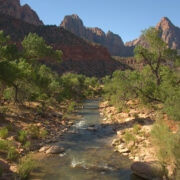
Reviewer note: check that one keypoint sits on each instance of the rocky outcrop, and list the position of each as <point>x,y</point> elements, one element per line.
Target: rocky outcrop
<point>14,9</point>
<point>79,56</point>
<point>111,41</point>
<point>169,33</point>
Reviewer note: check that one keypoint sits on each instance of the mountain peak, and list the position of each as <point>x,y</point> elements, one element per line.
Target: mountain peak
<point>75,16</point>
<point>13,8</point>
<point>164,23</point>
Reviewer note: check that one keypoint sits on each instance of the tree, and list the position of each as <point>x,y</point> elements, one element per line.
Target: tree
<point>34,47</point>
<point>155,53</point>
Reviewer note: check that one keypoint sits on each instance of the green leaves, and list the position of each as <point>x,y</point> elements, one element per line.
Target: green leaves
<point>35,48</point>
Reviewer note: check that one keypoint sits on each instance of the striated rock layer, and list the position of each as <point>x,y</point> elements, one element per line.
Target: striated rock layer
<point>79,55</point>
<point>111,41</point>
<point>169,33</point>
<point>14,9</point>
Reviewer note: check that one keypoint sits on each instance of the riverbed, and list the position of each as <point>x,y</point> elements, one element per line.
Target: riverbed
<point>88,152</point>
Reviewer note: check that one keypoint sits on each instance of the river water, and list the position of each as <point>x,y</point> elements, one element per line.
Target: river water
<point>88,154</point>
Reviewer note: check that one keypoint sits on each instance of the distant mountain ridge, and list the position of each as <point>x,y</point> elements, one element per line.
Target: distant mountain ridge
<point>111,41</point>
<point>13,8</point>
<point>169,33</point>
<point>79,56</point>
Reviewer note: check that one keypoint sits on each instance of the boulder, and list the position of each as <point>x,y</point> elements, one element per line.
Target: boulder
<point>148,170</point>
<point>55,150</point>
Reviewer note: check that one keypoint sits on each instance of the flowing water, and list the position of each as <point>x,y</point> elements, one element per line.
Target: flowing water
<point>88,154</point>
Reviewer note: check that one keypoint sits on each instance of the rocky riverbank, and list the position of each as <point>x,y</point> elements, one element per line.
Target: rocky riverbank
<point>30,127</point>
<point>133,126</point>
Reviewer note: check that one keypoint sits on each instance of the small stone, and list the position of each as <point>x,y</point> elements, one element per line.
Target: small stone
<point>44,148</point>
<point>55,150</point>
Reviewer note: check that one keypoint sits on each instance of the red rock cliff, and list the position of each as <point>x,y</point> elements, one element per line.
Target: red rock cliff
<point>14,9</point>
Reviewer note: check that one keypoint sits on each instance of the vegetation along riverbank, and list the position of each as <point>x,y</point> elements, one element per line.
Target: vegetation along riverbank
<point>144,108</point>
<point>35,102</point>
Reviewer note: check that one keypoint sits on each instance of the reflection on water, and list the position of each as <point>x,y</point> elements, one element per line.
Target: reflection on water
<point>88,153</point>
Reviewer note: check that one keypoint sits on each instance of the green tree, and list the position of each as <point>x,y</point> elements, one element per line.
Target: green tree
<point>155,53</point>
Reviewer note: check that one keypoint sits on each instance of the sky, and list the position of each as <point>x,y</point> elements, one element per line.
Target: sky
<point>126,18</point>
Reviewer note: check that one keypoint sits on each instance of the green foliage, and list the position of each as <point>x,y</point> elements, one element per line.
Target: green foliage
<point>43,133</point>
<point>156,52</point>
<point>12,153</point>
<point>4,133</point>
<point>128,136</point>
<point>168,144</point>
<point>22,136</point>
<point>136,128</point>
<point>33,130</point>
<point>4,146</point>
<point>27,145</point>
<point>71,107</point>
<point>25,166</point>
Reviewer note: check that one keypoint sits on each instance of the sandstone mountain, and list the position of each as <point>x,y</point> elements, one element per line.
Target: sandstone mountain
<point>79,56</point>
<point>111,41</point>
<point>169,33</point>
<point>14,9</point>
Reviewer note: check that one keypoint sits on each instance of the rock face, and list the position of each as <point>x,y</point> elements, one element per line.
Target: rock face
<point>111,41</point>
<point>169,33</point>
<point>79,56</point>
<point>14,9</point>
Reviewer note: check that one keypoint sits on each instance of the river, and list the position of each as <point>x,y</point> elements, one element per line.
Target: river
<point>88,155</point>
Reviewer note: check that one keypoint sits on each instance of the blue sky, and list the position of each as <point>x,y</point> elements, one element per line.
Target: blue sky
<point>124,17</point>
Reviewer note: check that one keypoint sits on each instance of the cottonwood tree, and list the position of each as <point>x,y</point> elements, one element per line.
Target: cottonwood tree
<point>155,52</point>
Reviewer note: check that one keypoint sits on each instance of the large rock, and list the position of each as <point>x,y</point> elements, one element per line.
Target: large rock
<point>148,170</point>
<point>14,9</point>
<point>111,41</point>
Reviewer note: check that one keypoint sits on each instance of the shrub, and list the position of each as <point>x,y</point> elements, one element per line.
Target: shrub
<point>12,153</point>
<point>33,131</point>
<point>25,166</point>
<point>9,126</point>
<point>22,136</point>
<point>4,133</point>
<point>136,128</point>
<point>71,107</point>
<point>43,133</point>
<point>129,137</point>
<point>4,146</point>
<point>168,145</point>
<point>27,145</point>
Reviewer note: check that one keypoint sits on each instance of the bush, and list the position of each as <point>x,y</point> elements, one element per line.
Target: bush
<point>25,167</point>
<point>22,136</point>
<point>27,145</point>
<point>43,133</point>
<point>71,107</point>
<point>12,153</point>
<point>33,131</point>
<point>4,146</point>
<point>168,145</point>
<point>4,133</point>
<point>128,136</point>
<point>136,128</point>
